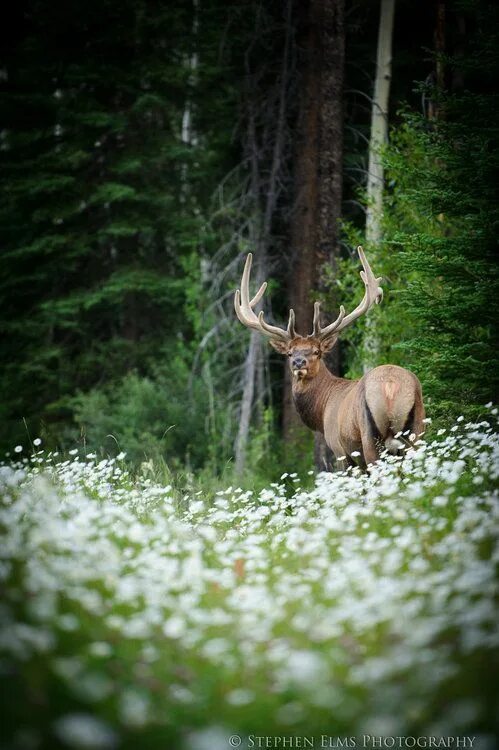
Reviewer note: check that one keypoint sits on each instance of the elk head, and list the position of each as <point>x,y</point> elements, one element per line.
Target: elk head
<point>304,352</point>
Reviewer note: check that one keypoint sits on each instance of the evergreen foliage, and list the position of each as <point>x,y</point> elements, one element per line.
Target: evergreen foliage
<point>440,237</point>
<point>446,218</point>
<point>109,155</point>
<point>135,156</point>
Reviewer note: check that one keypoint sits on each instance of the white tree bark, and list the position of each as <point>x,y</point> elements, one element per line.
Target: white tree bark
<point>379,124</point>
<point>250,365</point>
<point>375,175</point>
<point>188,134</point>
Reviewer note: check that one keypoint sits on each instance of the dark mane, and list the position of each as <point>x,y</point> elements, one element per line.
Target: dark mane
<point>308,408</point>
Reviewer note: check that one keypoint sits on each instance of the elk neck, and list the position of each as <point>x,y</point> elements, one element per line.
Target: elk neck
<point>310,397</point>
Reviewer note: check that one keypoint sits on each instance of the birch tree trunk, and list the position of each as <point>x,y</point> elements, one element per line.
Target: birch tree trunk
<point>379,124</point>
<point>375,175</point>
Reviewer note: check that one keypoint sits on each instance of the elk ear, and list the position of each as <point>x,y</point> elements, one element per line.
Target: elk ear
<point>279,346</point>
<point>328,343</point>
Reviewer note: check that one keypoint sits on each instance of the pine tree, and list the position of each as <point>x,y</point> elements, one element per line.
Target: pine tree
<point>441,233</point>
<point>103,193</point>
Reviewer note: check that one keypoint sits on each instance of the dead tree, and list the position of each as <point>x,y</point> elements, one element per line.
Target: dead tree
<point>265,187</point>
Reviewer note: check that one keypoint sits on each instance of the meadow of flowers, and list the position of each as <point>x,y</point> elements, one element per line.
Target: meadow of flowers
<point>138,616</point>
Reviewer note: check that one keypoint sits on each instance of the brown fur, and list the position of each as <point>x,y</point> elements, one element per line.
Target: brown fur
<point>354,415</point>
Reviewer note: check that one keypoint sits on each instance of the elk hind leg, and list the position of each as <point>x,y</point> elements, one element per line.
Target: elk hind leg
<point>418,425</point>
<point>371,438</point>
<point>369,449</point>
<point>414,425</point>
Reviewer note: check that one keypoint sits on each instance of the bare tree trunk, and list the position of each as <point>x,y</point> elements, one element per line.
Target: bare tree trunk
<point>375,175</point>
<point>433,108</point>
<point>330,170</point>
<point>457,75</point>
<point>379,124</point>
<point>440,47</point>
<point>318,176</point>
<point>188,134</point>
<point>250,364</point>
<point>304,218</point>
<point>251,361</point>
<point>261,391</point>
<point>270,188</point>
<point>303,235</point>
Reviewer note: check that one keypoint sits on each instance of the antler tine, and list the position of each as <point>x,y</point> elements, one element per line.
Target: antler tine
<point>272,331</point>
<point>258,296</point>
<point>373,293</point>
<point>316,324</point>
<point>244,307</point>
<point>322,333</point>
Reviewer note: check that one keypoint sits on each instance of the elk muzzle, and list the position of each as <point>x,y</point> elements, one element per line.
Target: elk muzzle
<point>299,366</point>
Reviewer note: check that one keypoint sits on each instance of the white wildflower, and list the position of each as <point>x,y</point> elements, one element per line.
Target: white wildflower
<point>211,738</point>
<point>134,708</point>
<point>240,697</point>
<point>85,731</point>
<point>440,501</point>
<point>174,627</point>
<point>100,649</point>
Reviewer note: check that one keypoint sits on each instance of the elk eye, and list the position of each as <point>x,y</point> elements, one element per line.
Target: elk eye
<point>316,352</point>
<point>289,354</point>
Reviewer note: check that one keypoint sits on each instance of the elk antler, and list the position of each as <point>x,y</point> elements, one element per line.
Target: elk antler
<point>244,309</point>
<point>373,294</point>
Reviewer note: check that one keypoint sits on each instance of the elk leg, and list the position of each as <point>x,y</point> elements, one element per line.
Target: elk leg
<point>414,424</point>
<point>369,449</point>
<point>418,426</point>
<point>370,437</point>
<point>343,463</point>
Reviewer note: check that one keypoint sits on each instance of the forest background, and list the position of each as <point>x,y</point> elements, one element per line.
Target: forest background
<point>146,147</point>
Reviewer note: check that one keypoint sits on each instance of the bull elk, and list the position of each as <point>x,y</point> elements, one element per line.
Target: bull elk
<point>358,418</point>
